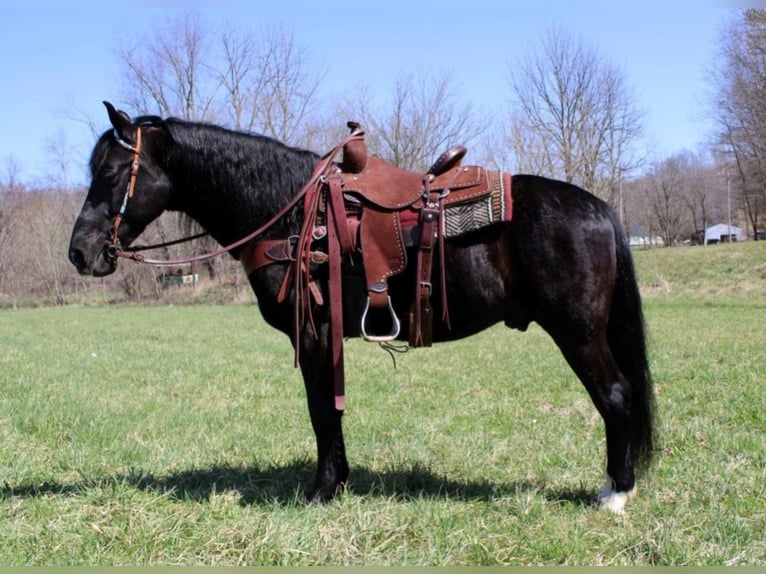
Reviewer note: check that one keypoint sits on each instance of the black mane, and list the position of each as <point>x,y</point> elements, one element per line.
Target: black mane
<point>252,173</point>
<point>217,171</point>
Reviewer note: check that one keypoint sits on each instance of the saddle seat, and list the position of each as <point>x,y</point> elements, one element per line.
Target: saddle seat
<point>392,188</point>
<point>394,208</point>
<point>389,187</point>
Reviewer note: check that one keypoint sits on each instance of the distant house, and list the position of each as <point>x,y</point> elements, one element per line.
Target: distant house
<point>640,237</point>
<point>644,241</point>
<point>718,234</point>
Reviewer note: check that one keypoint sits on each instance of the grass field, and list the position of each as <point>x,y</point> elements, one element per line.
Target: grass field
<point>179,435</point>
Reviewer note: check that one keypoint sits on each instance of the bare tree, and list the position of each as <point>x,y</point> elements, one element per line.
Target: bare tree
<point>74,112</point>
<point>36,262</point>
<point>703,192</point>
<point>270,83</point>
<point>664,195</point>
<point>11,176</point>
<point>11,196</point>
<point>422,118</point>
<point>239,76</point>
<point>60,160</point>
<point>263,82</point>
<point>739,107</point>
<point>575,117</point>
<point>169,73</point>
<point>287,98</point>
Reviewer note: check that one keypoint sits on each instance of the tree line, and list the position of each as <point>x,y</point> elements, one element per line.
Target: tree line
<point>571,116</point>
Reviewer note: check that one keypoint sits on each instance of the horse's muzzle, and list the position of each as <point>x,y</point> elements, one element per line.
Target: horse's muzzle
<point>104,263</point>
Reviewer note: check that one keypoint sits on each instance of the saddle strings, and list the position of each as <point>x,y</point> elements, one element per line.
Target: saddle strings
<point>392,348</point>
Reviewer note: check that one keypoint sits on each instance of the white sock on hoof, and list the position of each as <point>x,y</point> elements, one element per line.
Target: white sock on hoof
<point>612,500</point>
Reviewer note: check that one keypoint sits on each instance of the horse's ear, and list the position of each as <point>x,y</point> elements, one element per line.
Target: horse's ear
<point>120,121</point>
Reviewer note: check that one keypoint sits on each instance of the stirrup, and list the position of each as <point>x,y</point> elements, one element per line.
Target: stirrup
<point>395,327</point>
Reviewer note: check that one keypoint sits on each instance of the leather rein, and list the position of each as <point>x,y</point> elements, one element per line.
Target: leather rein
<point>114,249</point>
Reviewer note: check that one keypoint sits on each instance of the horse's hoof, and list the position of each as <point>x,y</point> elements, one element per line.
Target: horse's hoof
<point>318,497</point>
<point>323,495</point>
<point>613,500</point>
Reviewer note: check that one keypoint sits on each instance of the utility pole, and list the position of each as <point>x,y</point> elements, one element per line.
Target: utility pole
<point>728,201</point>
<point>622,206</point>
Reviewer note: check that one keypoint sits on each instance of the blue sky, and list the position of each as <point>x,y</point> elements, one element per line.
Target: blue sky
<point>57,55</point>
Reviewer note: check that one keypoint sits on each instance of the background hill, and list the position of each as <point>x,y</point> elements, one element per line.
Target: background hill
<point>724,272</point>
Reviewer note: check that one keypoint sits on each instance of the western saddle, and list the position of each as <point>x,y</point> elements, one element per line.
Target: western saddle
<point>366,205</point>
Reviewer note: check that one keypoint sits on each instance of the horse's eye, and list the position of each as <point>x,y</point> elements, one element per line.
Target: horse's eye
<point>111,173</point>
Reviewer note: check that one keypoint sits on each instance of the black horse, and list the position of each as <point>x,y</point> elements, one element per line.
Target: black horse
<point>563,262</point>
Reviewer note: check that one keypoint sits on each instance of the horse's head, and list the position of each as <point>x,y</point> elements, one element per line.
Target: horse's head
<point>128,190</point>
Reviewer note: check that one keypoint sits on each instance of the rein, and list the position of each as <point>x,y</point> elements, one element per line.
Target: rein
<point>113,246</point>
<point>134,248</point>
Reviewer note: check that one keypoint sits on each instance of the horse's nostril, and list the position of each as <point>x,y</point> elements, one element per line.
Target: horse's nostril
<point>77,258</point>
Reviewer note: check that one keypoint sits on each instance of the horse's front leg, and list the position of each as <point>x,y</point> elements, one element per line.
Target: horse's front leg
<point>316,366</point>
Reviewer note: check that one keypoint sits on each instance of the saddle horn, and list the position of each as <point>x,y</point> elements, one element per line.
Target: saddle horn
<point>355,152</point>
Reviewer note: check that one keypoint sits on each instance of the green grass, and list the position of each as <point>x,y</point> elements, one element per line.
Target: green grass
<point>719,273</point>
<point>179,435</point>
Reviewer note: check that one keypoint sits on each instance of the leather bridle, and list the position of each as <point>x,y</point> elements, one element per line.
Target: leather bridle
<point>113,244</point>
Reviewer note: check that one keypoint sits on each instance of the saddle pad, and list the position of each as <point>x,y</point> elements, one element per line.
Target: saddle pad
<point>463,217</point>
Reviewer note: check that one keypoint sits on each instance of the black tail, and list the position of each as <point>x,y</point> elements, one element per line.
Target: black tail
<point>627,343</point>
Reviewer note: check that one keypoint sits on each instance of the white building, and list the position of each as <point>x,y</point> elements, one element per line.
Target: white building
<point>717,233</point>
<point>644,241</point>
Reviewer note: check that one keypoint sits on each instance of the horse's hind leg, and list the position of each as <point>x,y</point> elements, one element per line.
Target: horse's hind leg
<point>611,394</point>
